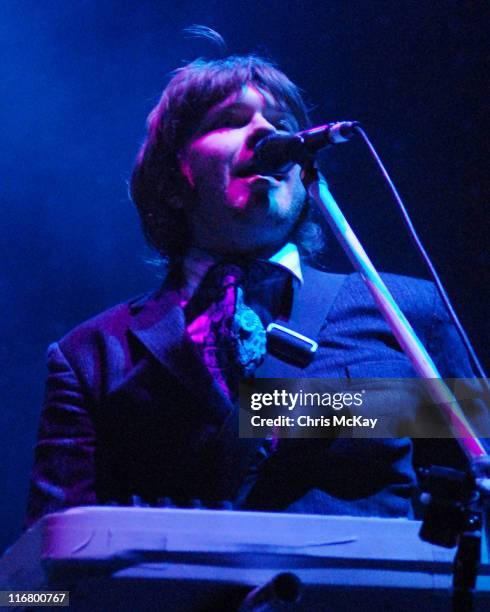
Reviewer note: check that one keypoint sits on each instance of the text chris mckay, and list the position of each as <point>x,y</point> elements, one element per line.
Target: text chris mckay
<point>308,421</point>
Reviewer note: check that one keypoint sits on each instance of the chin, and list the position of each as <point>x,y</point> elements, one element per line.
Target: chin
<point>263,241</point>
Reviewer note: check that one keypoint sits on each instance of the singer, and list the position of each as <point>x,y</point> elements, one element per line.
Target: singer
<point>142,399</point>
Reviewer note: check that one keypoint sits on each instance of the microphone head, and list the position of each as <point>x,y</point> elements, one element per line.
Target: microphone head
<point>278,153</point>
<point>319,137</point>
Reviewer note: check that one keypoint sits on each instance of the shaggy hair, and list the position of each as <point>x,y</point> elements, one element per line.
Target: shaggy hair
<point>157,182</point>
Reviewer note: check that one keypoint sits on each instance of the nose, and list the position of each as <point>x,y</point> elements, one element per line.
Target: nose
<point>260,127</point>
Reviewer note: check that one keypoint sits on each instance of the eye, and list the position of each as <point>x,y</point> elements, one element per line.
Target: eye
<point>230,119</point>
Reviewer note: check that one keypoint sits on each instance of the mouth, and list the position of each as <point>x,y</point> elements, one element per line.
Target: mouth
<point>249,170</point>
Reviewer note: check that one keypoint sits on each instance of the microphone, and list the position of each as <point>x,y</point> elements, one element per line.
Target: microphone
<point>278,153</point>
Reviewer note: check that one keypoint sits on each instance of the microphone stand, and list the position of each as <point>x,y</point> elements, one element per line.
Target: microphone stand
<point>455,510</point>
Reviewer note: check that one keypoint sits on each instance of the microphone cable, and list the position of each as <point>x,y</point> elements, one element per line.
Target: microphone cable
<point>425,257</point>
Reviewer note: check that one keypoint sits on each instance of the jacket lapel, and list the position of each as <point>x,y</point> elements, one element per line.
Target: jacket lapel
<point>311,306</point>
<point>159,325</point>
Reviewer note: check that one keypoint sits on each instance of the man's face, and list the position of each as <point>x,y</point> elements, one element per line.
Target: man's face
<point>231,208</point>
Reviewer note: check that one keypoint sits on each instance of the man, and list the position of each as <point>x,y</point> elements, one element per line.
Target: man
<point>142,400</point>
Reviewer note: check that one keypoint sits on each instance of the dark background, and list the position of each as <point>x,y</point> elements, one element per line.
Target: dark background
<point>78,79</point>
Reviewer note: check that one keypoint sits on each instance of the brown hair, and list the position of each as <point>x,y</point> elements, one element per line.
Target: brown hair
<point>156,179</point>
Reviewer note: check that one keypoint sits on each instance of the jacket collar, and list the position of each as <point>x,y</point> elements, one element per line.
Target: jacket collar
<point>311,306</point>
<point>197,263</point>
<point>158,323</point>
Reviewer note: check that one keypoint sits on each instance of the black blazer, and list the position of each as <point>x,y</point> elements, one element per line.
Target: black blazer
<point>131,409</point>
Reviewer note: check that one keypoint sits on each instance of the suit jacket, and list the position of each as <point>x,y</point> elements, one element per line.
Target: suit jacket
<point>131,409</point>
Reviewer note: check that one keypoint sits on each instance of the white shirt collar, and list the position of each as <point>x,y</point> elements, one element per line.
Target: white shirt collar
<point>288,258</point>
<point>197,262</point>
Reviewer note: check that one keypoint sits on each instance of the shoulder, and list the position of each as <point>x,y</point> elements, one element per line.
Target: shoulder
<point>416,294</point>
<point>354,321</point>
<point>103,349</point>
<point>112,324</point>
<point>353,306</point>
